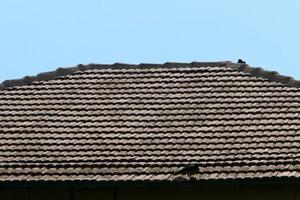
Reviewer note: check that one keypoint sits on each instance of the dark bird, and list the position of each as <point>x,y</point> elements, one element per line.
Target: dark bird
<point>240,61</point>
<point>190,169</point>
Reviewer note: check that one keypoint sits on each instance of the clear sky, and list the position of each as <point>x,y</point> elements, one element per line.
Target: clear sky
<point>38,36</point>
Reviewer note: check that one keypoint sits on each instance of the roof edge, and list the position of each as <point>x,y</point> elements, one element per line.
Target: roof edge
<point>145,184</point>
<point>273,76</point>
<point>62,71</point>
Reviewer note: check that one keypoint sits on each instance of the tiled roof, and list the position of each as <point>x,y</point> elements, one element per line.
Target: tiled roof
<point>148,122</point>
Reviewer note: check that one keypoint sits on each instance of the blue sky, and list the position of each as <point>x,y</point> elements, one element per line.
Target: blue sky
<point>38,36</point>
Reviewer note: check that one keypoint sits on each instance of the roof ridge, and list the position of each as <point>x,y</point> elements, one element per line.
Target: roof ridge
<point>62,71</point>
<point>273,76</point>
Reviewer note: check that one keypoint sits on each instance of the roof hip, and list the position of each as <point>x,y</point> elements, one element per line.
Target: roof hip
<point>62,71</point>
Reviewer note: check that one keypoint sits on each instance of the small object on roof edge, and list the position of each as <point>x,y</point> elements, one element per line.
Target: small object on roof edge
<point>190,169</point>
<point>240,61</point>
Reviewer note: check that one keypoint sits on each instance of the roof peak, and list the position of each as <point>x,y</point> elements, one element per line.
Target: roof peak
<point>62,71</point>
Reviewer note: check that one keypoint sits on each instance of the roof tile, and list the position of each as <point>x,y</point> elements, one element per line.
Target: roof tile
<point>147,122</point>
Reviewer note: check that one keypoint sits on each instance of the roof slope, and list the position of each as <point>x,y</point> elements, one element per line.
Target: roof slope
<point>150,123</point>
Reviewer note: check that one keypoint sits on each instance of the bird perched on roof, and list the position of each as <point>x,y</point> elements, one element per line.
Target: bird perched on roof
<point>190,169</point>
<point>240,61</point>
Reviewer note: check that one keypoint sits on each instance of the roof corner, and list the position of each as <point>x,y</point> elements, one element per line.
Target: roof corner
<point>273,76</point>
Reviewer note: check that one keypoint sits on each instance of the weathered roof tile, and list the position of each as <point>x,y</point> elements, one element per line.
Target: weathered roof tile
<point>146,122</point>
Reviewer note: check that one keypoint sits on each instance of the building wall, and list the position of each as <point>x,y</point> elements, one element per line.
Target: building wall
<point>229,192</point>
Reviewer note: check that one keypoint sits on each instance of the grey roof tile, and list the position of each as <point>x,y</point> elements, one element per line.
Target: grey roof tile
<point>146,122</point>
